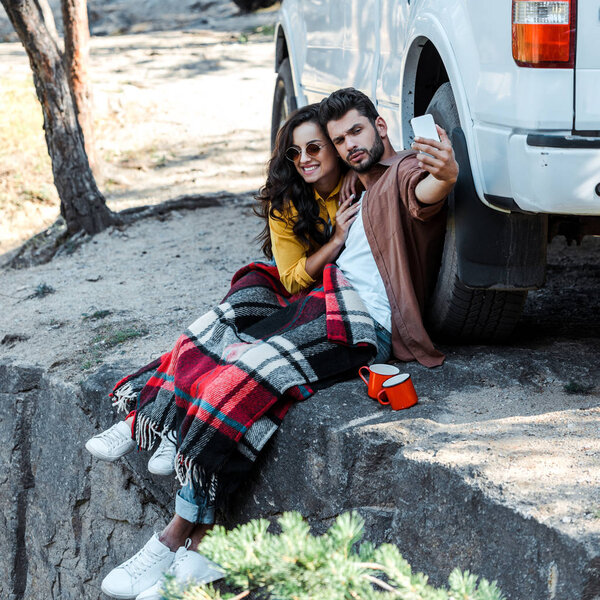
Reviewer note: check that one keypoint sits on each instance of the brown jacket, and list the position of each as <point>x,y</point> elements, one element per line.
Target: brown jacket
<point>406,238</point>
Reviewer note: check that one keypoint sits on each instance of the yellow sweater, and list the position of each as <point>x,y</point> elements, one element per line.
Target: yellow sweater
<point>289,252</point>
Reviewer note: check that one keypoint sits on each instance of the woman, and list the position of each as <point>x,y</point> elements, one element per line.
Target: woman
<point>300,203</point>
<point>305,230</point>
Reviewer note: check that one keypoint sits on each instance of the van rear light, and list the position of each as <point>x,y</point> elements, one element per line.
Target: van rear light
<point>543,33</point>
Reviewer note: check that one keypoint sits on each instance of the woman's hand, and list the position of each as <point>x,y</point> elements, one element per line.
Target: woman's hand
<point>344,217</point>
<point>348,186</point>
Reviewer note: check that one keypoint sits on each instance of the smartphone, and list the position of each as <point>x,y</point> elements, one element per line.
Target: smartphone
<point>424,127</point>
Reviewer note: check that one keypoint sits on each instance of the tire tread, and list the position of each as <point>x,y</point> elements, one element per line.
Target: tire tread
<point>481,315</point>
<point>455,311</point>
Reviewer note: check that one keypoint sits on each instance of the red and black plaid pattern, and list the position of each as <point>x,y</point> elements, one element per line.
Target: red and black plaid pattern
<point>250,357</point>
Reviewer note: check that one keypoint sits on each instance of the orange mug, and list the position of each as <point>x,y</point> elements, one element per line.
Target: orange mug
<point>378,373</point>
<point>398,391</point>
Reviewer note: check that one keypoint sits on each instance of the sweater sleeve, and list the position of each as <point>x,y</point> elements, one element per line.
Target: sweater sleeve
<point>290,255</point>
<point>409,176</point>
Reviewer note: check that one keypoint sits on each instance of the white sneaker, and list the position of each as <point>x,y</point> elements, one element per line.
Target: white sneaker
<point>162,461</point>
<point>113,443</point>
<point>188,567</point>
<point>140,572</point>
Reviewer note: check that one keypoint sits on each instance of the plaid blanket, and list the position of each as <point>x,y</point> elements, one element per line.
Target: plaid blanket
<point>230,379</point>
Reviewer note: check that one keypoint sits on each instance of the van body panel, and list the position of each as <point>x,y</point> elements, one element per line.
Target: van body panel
<point>374,45</point>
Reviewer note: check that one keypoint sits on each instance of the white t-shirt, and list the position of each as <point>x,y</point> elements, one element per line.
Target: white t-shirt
<point>358,265</point>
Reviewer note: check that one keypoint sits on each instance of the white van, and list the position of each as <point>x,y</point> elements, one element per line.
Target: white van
<point>517,84</point>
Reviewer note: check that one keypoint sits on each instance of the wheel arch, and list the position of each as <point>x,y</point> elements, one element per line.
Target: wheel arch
<point>281,46</point>
<point>430,75</point>
<point>430,62</point>
<point>289,36</point>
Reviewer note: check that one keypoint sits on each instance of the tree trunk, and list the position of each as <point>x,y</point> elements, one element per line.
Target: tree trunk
<point>82,204</point>
<point>77,53</point>
<point>49,20</point>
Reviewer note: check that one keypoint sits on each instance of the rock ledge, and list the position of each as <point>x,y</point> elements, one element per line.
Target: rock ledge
<point>417,477</point>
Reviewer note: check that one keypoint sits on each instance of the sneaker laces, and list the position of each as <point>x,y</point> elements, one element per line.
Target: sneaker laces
<point>164,449</point>
<point>112,437</point>
<point>179,557</point>
<point>139,563</point>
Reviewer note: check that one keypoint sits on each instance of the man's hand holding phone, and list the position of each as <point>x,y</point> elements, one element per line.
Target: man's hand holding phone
<point>435,153</point>
<point>436,156</point>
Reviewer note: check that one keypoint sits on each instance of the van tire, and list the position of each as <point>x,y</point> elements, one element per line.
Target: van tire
<point>251,5</point>
<point>455,311</point>
<point>284,99</point>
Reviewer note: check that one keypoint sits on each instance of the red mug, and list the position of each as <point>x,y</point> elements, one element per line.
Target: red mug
<point>398,391</point>
<point>378,373</point>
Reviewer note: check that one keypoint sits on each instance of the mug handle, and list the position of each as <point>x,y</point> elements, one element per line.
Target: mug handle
<point>362,376</point>
<point>382,394</point>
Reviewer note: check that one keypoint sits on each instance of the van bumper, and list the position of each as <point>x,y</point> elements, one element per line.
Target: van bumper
<point>540,173</point>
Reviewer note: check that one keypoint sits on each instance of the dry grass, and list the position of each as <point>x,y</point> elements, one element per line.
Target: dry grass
<point>26,173</point>
<point>167,123</point>
<point>28,198</point>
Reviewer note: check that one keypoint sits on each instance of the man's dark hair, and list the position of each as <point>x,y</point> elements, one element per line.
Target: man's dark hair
<point>338,103</point>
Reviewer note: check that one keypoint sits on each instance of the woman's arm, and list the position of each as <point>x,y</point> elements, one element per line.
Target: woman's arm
<point>297,270</point>
<point>290,256</point>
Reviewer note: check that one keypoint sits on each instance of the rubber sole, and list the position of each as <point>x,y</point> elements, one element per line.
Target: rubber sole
<point>106,457</point>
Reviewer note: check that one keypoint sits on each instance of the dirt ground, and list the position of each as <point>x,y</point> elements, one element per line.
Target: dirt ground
<point>176,112</point>
<point>189,111</point>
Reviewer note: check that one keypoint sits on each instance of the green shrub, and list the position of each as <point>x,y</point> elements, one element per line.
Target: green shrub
<point>296,565</point>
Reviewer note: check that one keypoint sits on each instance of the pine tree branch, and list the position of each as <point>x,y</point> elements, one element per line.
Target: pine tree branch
<point>294,564</point>
<point>382,584</point>
<point>371,565</point>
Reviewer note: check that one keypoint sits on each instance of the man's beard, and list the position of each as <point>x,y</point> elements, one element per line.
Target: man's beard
<point>374,155</point>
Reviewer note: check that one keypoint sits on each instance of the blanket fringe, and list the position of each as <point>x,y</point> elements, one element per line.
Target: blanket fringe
<point>189,473</point>
<point>145,432</point>
<point>123,397</point>
<point>184,469</point>
<point>169,434</point>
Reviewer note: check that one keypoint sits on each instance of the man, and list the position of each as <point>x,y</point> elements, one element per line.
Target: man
<point>392,250</point>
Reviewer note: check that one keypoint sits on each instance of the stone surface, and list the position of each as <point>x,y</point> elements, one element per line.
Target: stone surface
<point>67,518</point>
<point>441,480</point>
<point>346,453</point>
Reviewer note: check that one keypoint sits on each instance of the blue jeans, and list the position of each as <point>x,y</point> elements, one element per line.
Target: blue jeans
<point>384,344</point>
<point>193,505</point>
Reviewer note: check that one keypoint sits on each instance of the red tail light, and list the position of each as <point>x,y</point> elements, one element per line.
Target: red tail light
<point>543,33</point>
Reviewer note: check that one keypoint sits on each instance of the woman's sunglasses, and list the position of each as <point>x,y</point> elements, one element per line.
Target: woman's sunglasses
<point>293,153</point>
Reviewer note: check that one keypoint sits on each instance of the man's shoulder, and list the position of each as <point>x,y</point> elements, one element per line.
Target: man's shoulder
<point>397,158</point>
<point>389,167</point>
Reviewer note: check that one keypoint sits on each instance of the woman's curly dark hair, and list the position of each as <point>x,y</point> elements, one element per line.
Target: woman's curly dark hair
<point>284,184</point>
